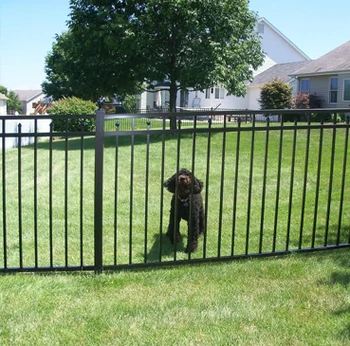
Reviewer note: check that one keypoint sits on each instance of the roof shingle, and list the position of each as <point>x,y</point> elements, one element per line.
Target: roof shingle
<point>280,71</point>
<point>336,60</point>
<point>27,95</point>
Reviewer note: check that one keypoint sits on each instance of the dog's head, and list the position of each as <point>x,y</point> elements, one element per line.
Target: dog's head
<point>183,180</point>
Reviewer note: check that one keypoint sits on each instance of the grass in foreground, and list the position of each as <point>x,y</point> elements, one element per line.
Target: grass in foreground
<point>295,300</point>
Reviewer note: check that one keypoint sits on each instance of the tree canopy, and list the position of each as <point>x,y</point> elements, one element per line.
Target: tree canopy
<point>13,103</point>
<point>116,46</point>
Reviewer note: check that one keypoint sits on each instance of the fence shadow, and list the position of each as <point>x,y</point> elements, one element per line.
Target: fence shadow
<point>320,234</point>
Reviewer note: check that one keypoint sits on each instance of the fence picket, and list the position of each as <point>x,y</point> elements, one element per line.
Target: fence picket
<point>224,148</point>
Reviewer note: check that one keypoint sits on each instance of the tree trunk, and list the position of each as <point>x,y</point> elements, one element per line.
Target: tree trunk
<point>173,94</point>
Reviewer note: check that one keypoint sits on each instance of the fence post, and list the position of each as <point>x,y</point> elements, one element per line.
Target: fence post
<point>98,208</point>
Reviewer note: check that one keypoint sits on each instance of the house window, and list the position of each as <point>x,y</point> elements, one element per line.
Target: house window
<point>261,28</point>
<point>304,85</point>
<point>184,98</point>
<point>347,90</point>
<point>333,90</point>
<point>219,93</point>
<point>207,93</point>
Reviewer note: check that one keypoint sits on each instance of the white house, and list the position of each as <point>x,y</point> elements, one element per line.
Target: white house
<point>278,50</point>
<point>3,103</point>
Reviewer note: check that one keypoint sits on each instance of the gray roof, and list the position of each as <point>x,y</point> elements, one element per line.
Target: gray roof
<point>27,95</point>
<point>280,71</point>
<point>336,60</point>
<point>3,97</point>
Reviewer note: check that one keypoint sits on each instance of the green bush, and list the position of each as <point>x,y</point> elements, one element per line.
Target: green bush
<point>73,106</point>
<point>301,100</point>
<point>323,117</point>
<point>290,117</point>
<point>276,94</point>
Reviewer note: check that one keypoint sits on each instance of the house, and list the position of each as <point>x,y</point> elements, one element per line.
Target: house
<point>278,50</point>
<point>280,71</point>
<point>3,104</point>
<point>32,101</point>
<point>327,77</point>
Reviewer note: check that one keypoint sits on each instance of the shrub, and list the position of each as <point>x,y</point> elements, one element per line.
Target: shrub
<point>344,116</point>
<point>73,106</point>
<point>301,100</point>
<point>325,117</point>
<point>130,102</point>
<point>315,101</point>
<point>276,94</point>
<point>291,117</point>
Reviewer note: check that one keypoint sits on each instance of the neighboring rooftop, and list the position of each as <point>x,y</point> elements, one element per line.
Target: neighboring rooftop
<point>280,71</point>
<point>336,60</point>
<point>27,95</point>
<point>3,97</point>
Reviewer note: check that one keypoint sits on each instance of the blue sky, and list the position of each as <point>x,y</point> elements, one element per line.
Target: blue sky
<point>28,28</point>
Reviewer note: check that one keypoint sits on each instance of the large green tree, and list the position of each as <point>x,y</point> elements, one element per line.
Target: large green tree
<point>114,46</point>
<point>14,104</point>
<point>3,90</point>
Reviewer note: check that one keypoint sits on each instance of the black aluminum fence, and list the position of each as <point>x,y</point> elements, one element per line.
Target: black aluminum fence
<point>95,200</point>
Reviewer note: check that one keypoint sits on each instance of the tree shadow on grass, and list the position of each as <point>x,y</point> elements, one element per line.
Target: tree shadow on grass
<point>345,334</point>
<point>340,277</point>
<point>88,143</point>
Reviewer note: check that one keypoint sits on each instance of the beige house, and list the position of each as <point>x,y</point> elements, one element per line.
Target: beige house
<point>279,71</point>
<point>327,77</point>
<point>3,103</point>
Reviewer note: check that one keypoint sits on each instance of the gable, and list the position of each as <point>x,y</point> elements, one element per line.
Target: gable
<point>277,46</point>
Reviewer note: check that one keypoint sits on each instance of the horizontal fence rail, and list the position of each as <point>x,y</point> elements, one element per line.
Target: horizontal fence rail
<point>86,193</point>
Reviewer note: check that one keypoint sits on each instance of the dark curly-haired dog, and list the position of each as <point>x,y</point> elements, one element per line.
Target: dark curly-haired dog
<point>187,198</point>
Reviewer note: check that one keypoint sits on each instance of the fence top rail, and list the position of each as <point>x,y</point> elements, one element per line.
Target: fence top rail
<point>242,113</point>
<point>238,113</point>
<point>50,117</point>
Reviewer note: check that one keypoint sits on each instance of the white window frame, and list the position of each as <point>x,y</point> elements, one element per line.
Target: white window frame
<point>344,82</point>
<point>300,82</point>
<point>219,93</point>
<point>333,90</point>
<point>207,93</point>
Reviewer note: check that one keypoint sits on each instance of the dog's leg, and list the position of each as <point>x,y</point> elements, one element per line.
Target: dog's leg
<point>193,234</point>
<point>173,232</point>
<point>173,229</point>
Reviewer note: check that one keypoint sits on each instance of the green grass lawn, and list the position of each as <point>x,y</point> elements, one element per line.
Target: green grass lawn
<point>145,219</point>
<point>302,299</point>
<point>294,300</point>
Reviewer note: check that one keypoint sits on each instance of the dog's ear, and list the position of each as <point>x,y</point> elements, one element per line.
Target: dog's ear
<point>197,185</point>
<point>170,184</point>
